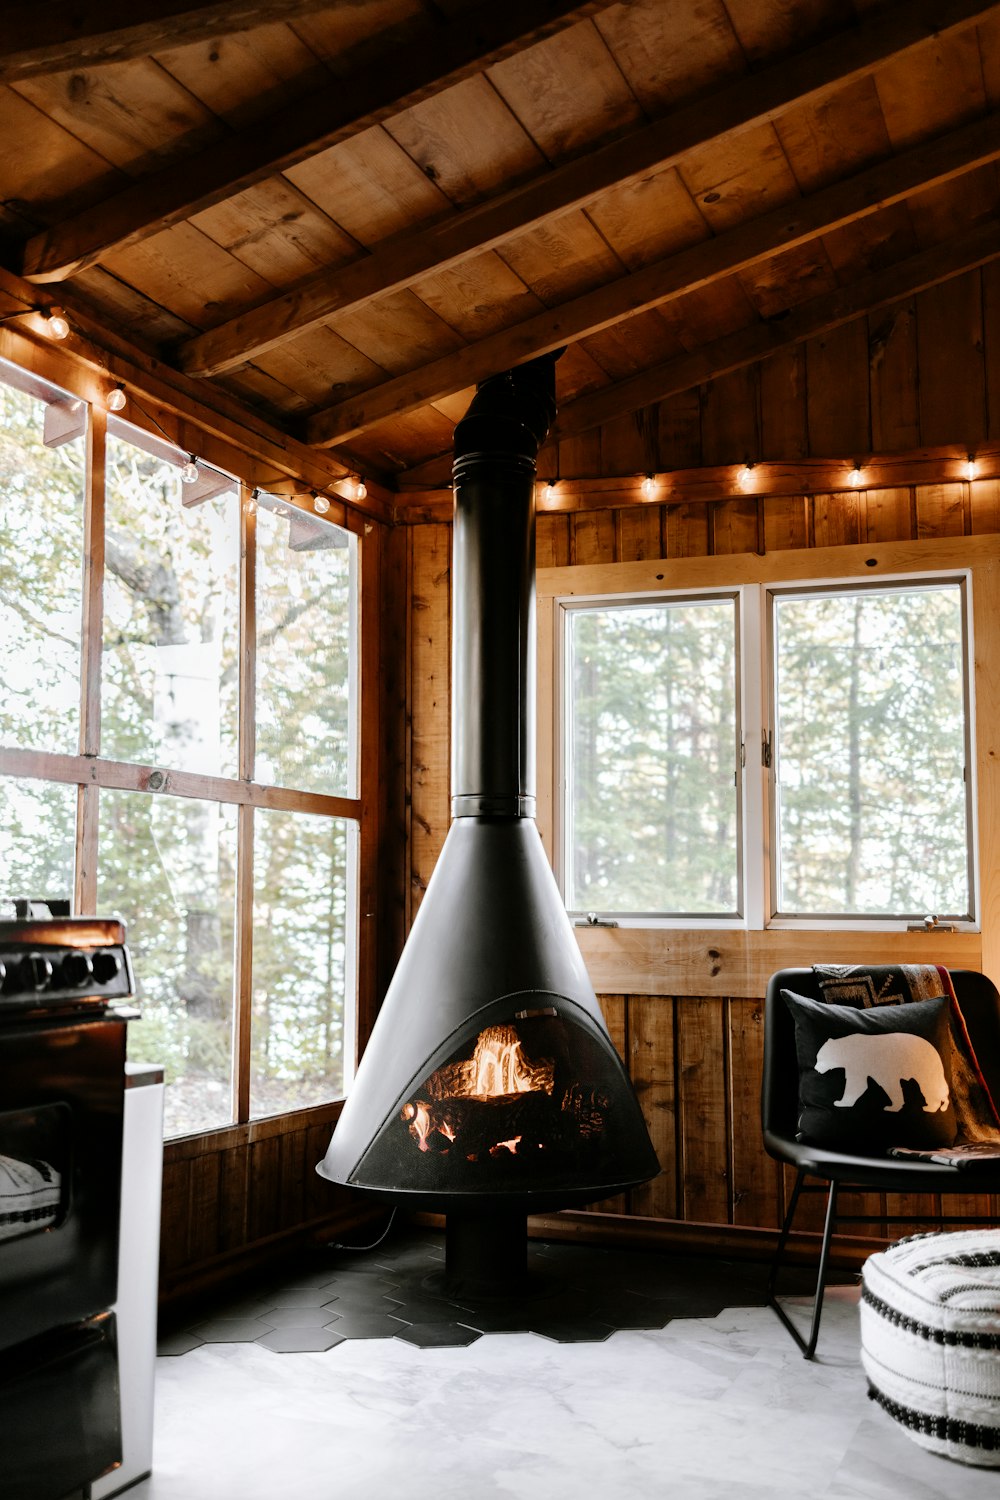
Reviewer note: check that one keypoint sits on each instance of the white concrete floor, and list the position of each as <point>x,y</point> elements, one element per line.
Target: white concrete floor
<point>701,1409</point>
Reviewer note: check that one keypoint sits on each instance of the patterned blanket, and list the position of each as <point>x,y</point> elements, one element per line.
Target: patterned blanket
<point>896,984</point>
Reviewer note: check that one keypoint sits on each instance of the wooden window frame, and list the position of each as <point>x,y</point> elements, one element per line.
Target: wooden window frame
<point>634,956</point>
<point>35,369</point>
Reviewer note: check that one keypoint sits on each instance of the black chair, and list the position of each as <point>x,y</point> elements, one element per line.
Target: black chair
<point>980,1004</point>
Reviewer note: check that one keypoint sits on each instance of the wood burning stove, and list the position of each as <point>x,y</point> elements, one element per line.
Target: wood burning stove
<point>62,1087</point>
<point>490,1086</point>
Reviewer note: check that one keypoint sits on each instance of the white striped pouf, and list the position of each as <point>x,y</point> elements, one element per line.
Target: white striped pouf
<point>930,1340</point>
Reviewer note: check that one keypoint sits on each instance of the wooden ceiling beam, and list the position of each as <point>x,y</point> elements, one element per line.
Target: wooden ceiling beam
<point>415,69</point>
<point>739,106</point>
<point>708,261</point>
<point>64,34</point>
<point>906,278</point>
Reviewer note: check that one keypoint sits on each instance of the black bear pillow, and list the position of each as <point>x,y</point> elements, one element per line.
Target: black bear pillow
<point>875,1078</point>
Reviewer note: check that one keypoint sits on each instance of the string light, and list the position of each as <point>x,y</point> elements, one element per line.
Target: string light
<point>190,473</point>
<point>744,477</point>
<point>251,505</point>
<point>549,490</point>
<point>57,322</point>
<point>855,476</point>
<point>320,504</point>
<point>117,398</point>
<point>648,487</point>
<point>971,468</point>
<point>360,489</point>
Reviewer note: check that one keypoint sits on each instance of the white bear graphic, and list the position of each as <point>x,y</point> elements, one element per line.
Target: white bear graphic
<point>886,1059</point>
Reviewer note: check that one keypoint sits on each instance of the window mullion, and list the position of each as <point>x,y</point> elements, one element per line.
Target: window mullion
<point>755,822</point>
<point>244,832</point>
<point>85,884</point>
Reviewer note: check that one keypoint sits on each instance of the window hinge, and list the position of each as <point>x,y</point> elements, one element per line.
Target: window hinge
<point>765,749</point>
<point>743,752</point>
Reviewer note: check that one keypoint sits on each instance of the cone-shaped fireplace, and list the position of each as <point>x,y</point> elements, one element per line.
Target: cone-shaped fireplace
<point>490,1086</point>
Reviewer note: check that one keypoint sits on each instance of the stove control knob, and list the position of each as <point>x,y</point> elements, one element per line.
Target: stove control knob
<point>106,966</point>
<point>76,970</point>
<point>34,972</point>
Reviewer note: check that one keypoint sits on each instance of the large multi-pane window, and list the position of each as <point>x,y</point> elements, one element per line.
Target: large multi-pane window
<point>179,747</point>
<point>770,754</point>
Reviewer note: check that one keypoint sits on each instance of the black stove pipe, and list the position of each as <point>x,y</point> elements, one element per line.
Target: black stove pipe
<point>493,642</point>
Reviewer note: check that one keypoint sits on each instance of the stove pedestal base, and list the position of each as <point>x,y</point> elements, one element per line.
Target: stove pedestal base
<point>486,1254</point>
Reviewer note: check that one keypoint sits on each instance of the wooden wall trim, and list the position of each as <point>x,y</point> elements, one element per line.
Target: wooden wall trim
<point>705,961</point>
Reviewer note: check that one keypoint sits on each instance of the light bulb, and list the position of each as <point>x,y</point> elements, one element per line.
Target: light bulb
<point>648,487</point>
<point>745,476</point>
<point>251,505</point>
<point>549,490</point>
<point>117,398</point>
<point>320,504</point>
<point>58,326</point>
<point>360,489</point>
<point>971,468</point>
<point>189,473</point>
<point>856,476</point>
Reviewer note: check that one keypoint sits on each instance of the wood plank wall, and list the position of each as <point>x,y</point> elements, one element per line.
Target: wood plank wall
<point>921,373</point>
<point>695,1059</point>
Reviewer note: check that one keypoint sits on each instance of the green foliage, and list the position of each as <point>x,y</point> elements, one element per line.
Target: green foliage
<point>170,681</point>
<point>654,753</point>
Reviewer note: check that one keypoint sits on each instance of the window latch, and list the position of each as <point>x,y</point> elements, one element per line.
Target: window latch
<point>593,920</point>
<point>765,749</point>
<point>931,924</point>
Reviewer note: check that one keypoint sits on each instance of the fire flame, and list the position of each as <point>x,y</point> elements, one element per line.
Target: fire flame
<point>497,1069</point>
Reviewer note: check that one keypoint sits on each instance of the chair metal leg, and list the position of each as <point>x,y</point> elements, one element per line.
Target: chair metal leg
<point>808,1347</point>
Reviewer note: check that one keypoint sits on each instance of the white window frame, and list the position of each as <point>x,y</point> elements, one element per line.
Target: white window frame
<point>607,586</point>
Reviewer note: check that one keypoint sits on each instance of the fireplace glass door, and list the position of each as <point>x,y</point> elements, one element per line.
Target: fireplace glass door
<point>534,1102</point>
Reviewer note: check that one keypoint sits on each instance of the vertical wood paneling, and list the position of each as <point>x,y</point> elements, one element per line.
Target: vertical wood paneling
<point>984,506</point>
<point>233,1198</point>
<point>889,515</point>
<point>838,520</point>
<point>430,644</point>
<point>686,530</point>
<point>679,420</point>
<point>756,1178</point>
<point>730,425</point>
<point>264,1178</point>
<point>951,388</point>
<point>703,1110</point>
<point>629,444</point>
<point>990,281</point>
<point>175,1216</point>
<point>940,510</point>
<point>651,1062</point>
<point>615,1011</point>
<point>892,349</point>
<point>786,523</point>
<point>784,430</point>
<point>552,541</point>
<point>204,1206</point>
<point>837,399</point>
<point>393,738</point>
<point>592,536</point>
<point>733,526</point>
<point>638,532</point>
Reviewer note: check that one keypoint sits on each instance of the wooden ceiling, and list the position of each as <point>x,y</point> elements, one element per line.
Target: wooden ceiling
<point>347,213</point>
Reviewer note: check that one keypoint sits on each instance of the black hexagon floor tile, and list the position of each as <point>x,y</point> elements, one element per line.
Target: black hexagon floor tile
<point>439,1335</point>
<point>339,1306</point>
<point>297,1297</point>
<point>230,1330</point>
<point>299,1340</point>
<point>177,1343</point>
<point>360,1325</point>
<point>573,1330</point>
<point>297,1317</point>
